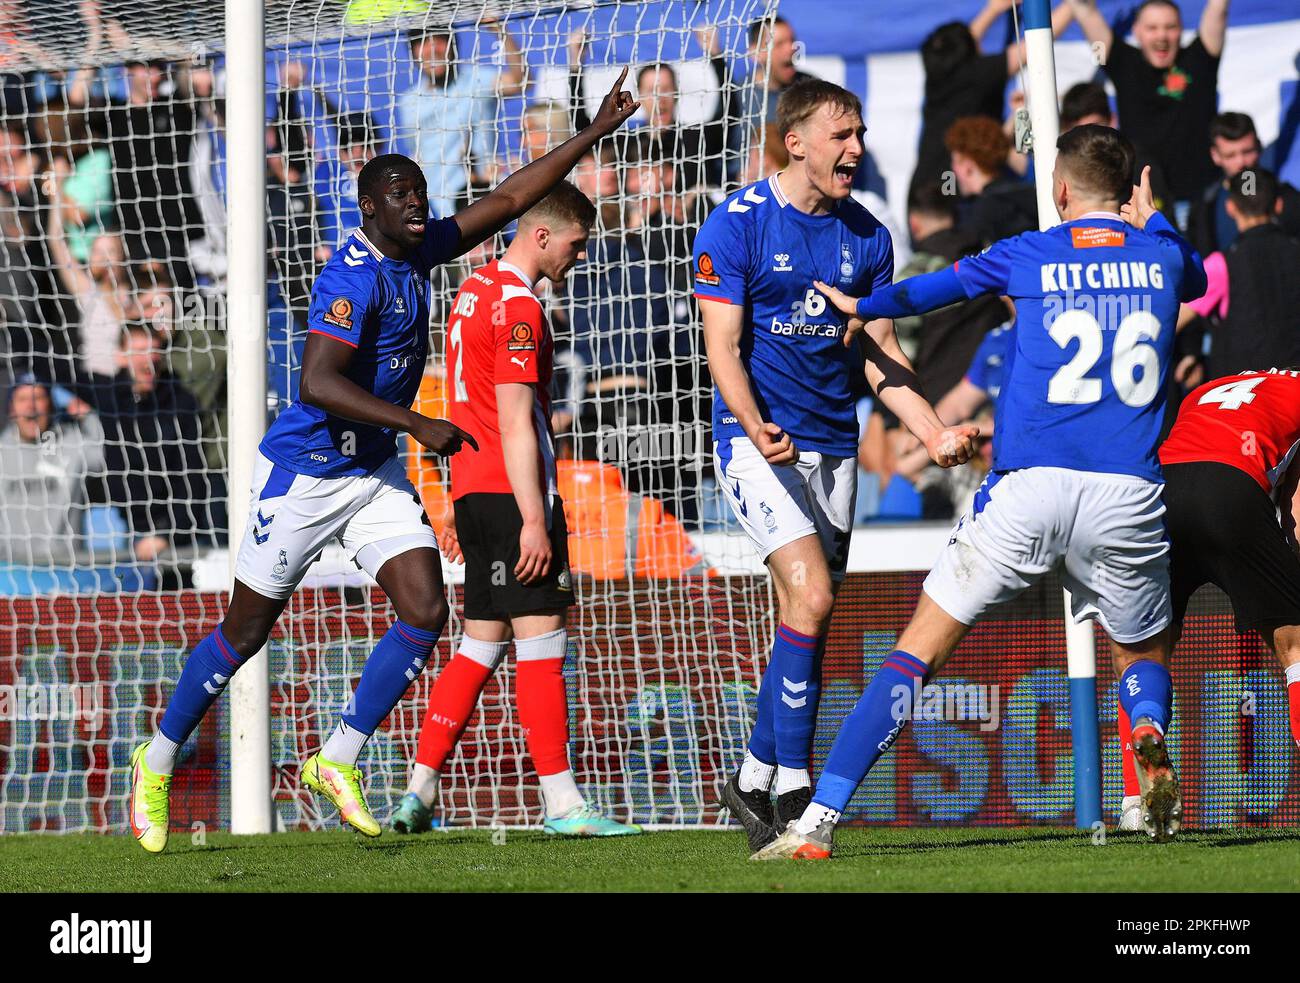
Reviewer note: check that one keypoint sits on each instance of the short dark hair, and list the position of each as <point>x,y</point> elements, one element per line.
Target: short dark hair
<point>376,169</point>
<point>356,128</point>
<point>1232,126</point>
<point>757,28</point>
<point>1254,192</point>
<point>1157,3</point>
<point>947,47</point>
<point>928,198</point>
<point>806,96</point>
<point>656,66</point>
<point>1099,159</point>
<point>565,204</point>
<point>1083,99</point>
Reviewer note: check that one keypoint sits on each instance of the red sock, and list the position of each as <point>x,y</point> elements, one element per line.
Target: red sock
<point>542,701</point>
<point>1293,702</point>
<point>451,705</point>
<point>1128,765</point>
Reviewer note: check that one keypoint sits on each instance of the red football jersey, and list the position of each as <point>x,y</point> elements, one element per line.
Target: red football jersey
<point>497,334</point>
<point>1250,421</point>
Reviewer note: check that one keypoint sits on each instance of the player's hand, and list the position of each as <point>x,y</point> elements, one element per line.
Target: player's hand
<point>1142,205</point>
<point>775,445</point>
<point>448,541</point>
<point>534,553</point>
<point>952,445</point>
<point>847,306</point>
<point>616,108</point>
<point>439,436</point>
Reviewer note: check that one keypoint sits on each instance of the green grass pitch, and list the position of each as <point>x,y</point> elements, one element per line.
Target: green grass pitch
<point>966,859</point>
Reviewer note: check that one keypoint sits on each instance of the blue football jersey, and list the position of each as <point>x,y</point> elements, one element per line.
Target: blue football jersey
<point>759,251</point>
<point>1096,309</point>
<point>379,306</point>
<point>989,366</point>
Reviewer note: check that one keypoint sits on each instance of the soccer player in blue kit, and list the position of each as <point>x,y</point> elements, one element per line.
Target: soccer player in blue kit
<point>785,425</point>
<point>1076,482</point>
<point>328,468</point>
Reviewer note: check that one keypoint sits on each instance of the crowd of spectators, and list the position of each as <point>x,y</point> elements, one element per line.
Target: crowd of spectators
<point>113,198</point>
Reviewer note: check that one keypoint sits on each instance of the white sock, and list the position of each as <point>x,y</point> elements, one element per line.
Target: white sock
<point>344,745</point>
<point>755,774</point>
<point>160,756</point>
<point>424,784</point>
<point>1293,674</point>
<point>789,779</point>
<point>560,793</point>
<point>814,816</point>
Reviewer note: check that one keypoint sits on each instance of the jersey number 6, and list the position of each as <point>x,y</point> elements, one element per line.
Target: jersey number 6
<point>1131,352</point>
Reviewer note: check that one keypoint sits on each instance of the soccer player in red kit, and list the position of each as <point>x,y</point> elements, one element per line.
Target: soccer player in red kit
<point>509,522</point>
<point>1230,465</point>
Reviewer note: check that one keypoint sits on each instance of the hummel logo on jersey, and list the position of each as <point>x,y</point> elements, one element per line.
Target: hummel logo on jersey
<point>781,263</point>
<point>399,306</point>
<point>355,256</point>
<point>751,196</point>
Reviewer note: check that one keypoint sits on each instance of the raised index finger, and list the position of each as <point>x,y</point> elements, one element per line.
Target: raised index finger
<point>619,84</point>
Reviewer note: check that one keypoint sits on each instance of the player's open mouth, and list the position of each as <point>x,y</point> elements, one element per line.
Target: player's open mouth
<point>415,225</point>
<point>844,172</point>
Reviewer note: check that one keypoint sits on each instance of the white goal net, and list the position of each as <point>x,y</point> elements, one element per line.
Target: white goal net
<point>114,447</point>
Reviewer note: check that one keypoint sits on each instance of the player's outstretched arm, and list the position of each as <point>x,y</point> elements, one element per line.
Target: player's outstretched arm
<point>325,386</point>
<point>892,379</point>
<point>723,324</point>
<point>915,295</point>
<point>529,185</point>
<point>516,405</point>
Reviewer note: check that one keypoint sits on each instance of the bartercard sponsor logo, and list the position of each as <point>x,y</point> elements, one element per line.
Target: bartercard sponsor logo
<point>75,936</point>
<point>790,329</point>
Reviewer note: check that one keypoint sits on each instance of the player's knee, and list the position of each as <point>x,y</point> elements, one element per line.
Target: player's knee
<point>246,638</point>
<point>812,607</point>
<point>427,613</point>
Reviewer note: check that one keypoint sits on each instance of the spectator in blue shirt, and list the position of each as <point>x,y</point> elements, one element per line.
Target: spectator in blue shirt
<point>447,121</point>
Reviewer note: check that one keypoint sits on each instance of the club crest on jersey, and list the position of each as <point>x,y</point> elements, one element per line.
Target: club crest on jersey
<point>781,263</point>
<point>281,567</point>
<point>846,263</point>
<point>521,338</point>
<point>340,314</point>
<point>704,271</point>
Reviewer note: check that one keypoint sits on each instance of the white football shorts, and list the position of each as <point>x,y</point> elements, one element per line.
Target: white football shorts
<point>777,504</point>
<point>293,516</point>
<point>1105,531</point>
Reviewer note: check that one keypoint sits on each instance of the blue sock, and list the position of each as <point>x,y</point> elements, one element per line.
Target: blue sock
<point>796,686</point>
<point>1145,690</point>
<point>762,740</point>
<point>881,712</point>
<point>207,671</point>
<point>392,667</point>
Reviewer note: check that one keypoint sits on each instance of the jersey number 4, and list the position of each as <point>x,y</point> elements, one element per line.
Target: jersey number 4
<point>1232,395</point>
<point>1131,352</point>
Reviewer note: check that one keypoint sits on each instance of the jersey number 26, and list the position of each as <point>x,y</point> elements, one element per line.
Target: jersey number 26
<point>1131,352</point>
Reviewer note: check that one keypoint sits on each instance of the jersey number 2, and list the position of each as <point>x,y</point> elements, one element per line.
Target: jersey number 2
<point>457,356</point>
<point>1131,351</point>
